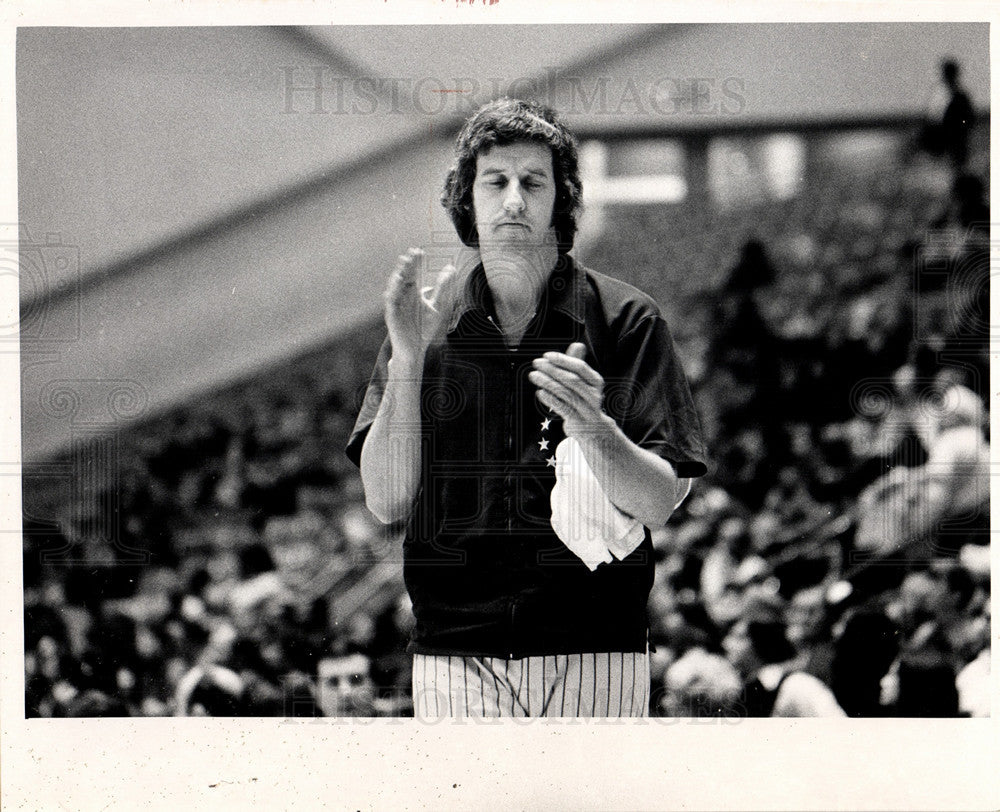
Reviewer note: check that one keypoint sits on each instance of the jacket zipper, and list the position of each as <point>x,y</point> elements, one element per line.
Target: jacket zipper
<point>509,450</point>
<point>508,431</point>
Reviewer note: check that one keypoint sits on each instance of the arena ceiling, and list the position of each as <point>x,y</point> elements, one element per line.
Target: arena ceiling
<point>199,203</point>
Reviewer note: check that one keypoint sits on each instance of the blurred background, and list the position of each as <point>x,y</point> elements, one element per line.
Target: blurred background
<point>207,218</point>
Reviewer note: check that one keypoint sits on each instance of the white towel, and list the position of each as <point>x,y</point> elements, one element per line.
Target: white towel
<point>583,517</point>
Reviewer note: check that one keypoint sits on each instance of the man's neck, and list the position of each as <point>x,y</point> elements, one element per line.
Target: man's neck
<point>517,280</point>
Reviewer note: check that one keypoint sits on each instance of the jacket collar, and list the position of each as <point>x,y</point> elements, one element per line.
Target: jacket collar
<point>563,292</point>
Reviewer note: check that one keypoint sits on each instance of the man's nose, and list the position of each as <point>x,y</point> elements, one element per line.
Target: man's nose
<point>514,201</point>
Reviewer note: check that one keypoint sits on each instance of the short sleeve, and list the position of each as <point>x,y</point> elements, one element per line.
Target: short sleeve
<point>369,405</point>
<point>650,398</point>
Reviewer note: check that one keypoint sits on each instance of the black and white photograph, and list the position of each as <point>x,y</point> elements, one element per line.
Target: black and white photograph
<point>621,381</point>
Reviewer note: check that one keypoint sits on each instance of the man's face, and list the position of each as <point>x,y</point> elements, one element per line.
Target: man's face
<point>514,194</point>
<point>805,616</point>
<point>345,687</point>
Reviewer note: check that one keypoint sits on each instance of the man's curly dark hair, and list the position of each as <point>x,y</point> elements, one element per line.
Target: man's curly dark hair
<point>499,123</point>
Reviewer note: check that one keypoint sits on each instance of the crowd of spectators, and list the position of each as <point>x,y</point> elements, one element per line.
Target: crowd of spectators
<point>244,575</point>
<point>841,368</point>
<point>834,562</point>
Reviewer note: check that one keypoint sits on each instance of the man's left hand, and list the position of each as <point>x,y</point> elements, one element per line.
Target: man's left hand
<point>572,389</point>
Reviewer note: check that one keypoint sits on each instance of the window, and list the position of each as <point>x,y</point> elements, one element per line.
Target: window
<point>633,172</point>
<point>749,170</point>
<point>627,173</point>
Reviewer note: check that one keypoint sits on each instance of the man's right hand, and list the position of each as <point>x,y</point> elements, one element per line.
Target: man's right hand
<point>416,317</point>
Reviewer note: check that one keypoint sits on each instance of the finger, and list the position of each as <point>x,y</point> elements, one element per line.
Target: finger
<point>447,281</point>
<point>398,288</point>
<point>575,365</point>
<point>576,350</point>
<point>556,363</point>
<point>580,389</point>
<point>438,297</point>
<point>553,404</point>
<point>403,275</point>
<point>547,400</point>
<point>569,401</point>
<point>407,264</point>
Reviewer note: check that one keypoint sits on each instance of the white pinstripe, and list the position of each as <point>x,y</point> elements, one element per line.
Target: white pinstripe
<point>591,685</point>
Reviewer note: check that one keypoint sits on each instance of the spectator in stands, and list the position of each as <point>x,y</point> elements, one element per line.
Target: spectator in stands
<point>863,654</point>
<point>809,631</point>
<point>718,587</point>
<point>967,208</point>
<point>210,691</point>
<point>947,133</point>
<point>744,358</point>
<point>792,503</point>
<point>392,666</point>
<point>959,116</point>
<point>743,463</point>
<point>760,651</point>
<point>975,690</point>
<point>958,465</point>
<point>955,627</point>
<point>678,622</point>
<point>925,686</point>
<point>910,507</point>
<point>962,242</point>
<point>95,704</point>
<point>345,687</point>
<point>702,685</point>
<point>50,677</point>
<point>911,605</point>
<point>299,696</point>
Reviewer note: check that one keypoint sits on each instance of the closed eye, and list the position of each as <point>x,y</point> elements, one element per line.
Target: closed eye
<point>500,182</point>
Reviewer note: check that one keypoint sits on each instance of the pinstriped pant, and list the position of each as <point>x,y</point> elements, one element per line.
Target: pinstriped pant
<point>604,684</point>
